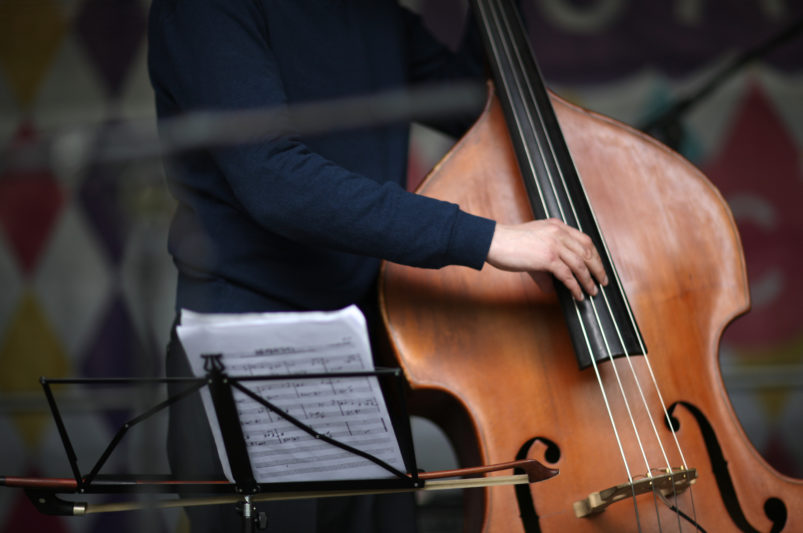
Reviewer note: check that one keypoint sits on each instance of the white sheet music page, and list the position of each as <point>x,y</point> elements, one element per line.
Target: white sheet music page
<point>350,410</point>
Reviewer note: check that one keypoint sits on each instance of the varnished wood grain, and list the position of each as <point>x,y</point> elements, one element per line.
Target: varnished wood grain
<point>498,347</point>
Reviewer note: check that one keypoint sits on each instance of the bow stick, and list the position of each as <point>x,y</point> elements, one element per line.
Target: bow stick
<point>42,490</point>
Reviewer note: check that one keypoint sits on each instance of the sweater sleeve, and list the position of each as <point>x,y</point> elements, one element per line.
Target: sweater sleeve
<point>215,55</point>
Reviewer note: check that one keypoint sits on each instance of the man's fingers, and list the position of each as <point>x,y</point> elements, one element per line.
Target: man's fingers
<point>549,246</point>
<point>564,273</point>
<point>583,259</point>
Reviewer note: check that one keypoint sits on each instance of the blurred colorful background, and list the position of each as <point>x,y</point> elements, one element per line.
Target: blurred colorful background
<point>86,285</point>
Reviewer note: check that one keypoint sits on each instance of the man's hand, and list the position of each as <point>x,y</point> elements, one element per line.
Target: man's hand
<point>549,246</point>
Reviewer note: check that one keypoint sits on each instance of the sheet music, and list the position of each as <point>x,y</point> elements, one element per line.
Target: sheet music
<point>350,410</point>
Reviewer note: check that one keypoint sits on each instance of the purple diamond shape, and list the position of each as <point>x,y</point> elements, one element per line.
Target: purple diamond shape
<point>117,351</point>
<point>111,33</point>
<point>100,195</point>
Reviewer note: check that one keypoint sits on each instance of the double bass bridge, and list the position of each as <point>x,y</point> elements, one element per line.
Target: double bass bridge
<point>669,484</point>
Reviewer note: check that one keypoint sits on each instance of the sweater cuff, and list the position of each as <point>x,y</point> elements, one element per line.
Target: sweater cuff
<point>471,240</point>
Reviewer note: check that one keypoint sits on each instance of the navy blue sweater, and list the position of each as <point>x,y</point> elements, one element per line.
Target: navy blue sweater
<point>298,223</point>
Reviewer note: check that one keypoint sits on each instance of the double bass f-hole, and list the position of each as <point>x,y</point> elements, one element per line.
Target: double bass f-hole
<point>520,374</point>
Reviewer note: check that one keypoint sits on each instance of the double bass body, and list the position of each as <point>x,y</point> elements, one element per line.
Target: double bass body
<point>496,348</point>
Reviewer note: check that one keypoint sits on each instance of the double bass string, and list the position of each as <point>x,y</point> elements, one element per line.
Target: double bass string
<point>544,160</point>
<point>527,146</point>
<point>608,305</point>
<point>558,168</point>
<point>521,93</point>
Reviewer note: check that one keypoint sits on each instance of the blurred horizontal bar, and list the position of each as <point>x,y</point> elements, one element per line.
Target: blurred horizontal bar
<point>138,139</point>
<point>755,377</point>
<point>34,402</point>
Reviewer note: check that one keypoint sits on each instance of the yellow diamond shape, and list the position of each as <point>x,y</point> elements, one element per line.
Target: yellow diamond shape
<point>30,35</point>
<point>29,350</point>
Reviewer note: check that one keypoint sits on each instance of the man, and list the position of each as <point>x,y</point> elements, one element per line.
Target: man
<point>302,223</point>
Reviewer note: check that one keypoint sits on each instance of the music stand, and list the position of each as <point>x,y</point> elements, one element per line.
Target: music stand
<point>220,386</point>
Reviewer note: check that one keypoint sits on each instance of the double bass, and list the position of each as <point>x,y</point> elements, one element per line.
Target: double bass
<point>621,392</point>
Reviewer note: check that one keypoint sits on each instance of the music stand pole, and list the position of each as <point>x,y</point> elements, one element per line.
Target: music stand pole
<point>233,438</point>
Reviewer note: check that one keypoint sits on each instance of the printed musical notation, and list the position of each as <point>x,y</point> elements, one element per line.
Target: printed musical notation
<point>350,410</point>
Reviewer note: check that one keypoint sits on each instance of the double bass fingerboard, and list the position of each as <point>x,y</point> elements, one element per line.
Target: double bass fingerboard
<point>602,326</point>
